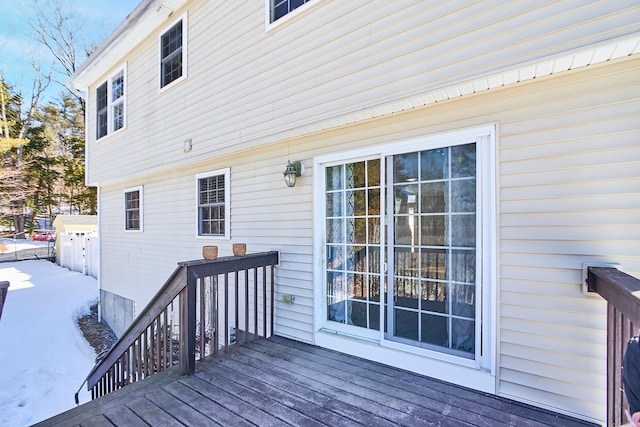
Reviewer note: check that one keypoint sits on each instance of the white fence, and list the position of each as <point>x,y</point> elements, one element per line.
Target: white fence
<point>80,253</point>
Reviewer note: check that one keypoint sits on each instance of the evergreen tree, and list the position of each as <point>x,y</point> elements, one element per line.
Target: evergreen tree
<point>12,141</point>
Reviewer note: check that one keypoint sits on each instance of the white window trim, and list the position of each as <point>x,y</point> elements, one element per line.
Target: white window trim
<point>291,15</point>
<point>110,102</point>
<point>481,372</point>
<point>227,204</point>
<point>140,189</point>
<point>184,53</point>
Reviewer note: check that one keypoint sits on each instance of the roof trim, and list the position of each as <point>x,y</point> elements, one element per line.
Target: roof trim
<point>138,25</point>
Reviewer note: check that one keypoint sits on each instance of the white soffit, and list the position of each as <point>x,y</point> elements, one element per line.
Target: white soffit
<point>577,58</point>
<point>144,20</point>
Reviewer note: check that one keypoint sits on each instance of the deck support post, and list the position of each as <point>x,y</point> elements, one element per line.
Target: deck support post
<point>188,326</point>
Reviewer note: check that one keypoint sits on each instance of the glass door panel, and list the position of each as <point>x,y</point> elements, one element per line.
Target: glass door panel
<point>352,197</point>
<point>433,241</point>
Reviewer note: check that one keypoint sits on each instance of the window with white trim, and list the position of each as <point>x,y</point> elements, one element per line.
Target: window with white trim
<point>111,104</point>
<point>280,8</point>
<point>213,203</point>
<point>133,209</point>
<point>173,53</point>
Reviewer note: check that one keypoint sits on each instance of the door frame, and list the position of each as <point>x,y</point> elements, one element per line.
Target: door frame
<point>375,346</point>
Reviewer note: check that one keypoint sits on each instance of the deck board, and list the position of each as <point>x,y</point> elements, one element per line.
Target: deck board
<point>278,382</point>
<point>123,416</point>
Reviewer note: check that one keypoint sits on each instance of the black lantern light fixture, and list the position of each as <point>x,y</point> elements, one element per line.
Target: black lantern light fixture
<point>293,170</point>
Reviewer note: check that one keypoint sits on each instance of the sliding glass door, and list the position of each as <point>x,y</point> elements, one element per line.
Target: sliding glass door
<point>403,244</point>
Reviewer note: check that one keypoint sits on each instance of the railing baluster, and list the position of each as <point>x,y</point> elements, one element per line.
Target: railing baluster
<point>264,302</point>
<point>145,350</point>
<point>255,302</point>
<point>272,304</point>
<point>155,347</point>
<point>171,326</point>
<point>216,312</point>
<point>236,304</point>
<point>246,306</point>
<point>202,319</point>
<point>139,360</point>
<point>226,312</point>
<point>166,344</point>
<point>211,313</point>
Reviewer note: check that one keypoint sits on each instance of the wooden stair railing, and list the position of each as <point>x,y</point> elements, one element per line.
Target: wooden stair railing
<point>203,308</point>
<point>622,293</point>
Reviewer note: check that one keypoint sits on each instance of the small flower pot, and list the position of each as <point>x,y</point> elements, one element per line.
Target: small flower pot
<point>239,249</point>
<point>210,252</point>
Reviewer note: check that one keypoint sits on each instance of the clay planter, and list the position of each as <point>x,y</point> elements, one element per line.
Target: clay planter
<point>210,252</point>
<point>239,249</point>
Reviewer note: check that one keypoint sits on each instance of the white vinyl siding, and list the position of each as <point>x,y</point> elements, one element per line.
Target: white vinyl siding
<point>568,175</point>
<point>568,159</point>
<point>248,88</point>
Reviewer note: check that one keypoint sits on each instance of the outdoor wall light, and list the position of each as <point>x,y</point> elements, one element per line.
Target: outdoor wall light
<point>293,170</point>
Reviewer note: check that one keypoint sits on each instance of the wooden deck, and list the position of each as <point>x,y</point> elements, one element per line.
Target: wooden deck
<point>278,381</point>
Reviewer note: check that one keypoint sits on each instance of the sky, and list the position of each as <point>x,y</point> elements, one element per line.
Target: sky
<point>17,43</point>
<point>43,355</point>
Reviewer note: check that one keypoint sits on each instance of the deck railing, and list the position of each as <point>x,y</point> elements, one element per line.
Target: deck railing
<point>205,307</point>
<point>4,289</point>
<point>623,319</point>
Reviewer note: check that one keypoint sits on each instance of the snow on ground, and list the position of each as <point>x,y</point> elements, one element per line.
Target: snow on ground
<point>43,356</point>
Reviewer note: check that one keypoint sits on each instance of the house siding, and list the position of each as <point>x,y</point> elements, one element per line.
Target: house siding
<point>568,180</point>
<point>568,157</point>
<point>247,87</point>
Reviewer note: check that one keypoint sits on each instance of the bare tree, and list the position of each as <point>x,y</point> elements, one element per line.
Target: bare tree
<point>55,25</point>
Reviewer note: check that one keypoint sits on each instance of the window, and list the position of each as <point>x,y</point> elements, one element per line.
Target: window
<point>110,105</point>
<point>101,111</point>
<point>117,101</point>
<point>407,238</point>
<point>133,209</point>
<point>172,53</point>
<point>280,8</point>
<point>213,203</point>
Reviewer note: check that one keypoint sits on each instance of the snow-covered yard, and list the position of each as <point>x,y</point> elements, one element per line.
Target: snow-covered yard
<point>43,356</point>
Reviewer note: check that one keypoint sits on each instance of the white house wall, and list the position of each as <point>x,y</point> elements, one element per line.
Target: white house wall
<point>567,147</point>
<point>247,87</point>
<point>568,172</point>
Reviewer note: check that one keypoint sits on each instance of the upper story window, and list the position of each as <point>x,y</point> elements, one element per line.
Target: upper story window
<point>101,110</point>
<point>173,53</point>
<point>280,8</point>
<point>213,203</point>
<point>110,104</point>
<point>133,209</point>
